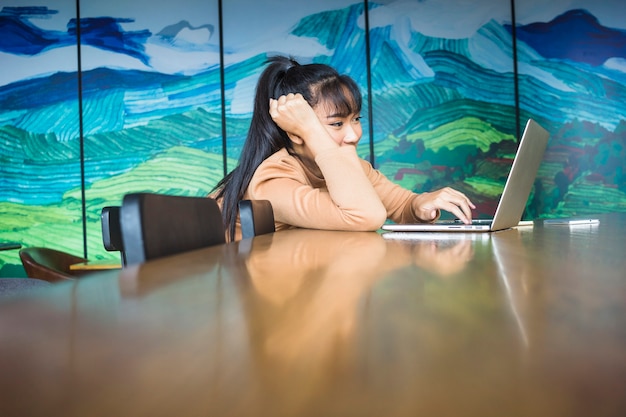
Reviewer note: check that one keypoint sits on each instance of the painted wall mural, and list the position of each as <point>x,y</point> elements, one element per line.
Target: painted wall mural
<point>142,105</point>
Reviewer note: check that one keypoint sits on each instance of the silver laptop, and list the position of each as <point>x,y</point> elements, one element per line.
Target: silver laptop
<point>514,197</point>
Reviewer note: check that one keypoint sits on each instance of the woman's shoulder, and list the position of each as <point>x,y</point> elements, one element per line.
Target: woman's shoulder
<point>281,159</point>
<point>278,165</point>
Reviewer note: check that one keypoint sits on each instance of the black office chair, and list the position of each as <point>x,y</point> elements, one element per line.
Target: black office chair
<point>157,225</point>
<point>112,231</point>
<point>49,264</point>
<point>257,218</point>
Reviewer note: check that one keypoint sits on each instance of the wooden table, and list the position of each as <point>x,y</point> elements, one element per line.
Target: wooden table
<point>524,322</point>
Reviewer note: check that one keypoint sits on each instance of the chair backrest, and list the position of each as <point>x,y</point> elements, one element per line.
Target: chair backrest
<point>157,225</point>
<point>48,264</point>
<point>112,230</point>
<point>257,218</point>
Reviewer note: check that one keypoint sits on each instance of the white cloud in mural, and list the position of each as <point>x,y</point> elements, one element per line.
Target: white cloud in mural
<point>168,60</point>
<point>489,54</point>
<point>92,58</point>
<point>244,89</point>
<point>544,76</point>
<point>195,48</point>
<point>287,45</point>
<point>154,15</point>
<point>195,36</point>
<point>401,33</point>
<point>16,67</point>
<point>462,17</point>
<point>617,64</point>
<point>248,21</point>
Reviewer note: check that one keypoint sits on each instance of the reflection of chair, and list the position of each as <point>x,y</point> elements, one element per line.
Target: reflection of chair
<point>112,231</point>
<point>49,264</point>
<point>157,225</point>
<point>257,218</point>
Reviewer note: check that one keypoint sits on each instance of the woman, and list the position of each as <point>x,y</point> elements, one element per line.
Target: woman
<point>300,154</point>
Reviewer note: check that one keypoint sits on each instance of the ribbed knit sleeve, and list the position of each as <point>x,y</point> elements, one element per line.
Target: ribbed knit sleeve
<point>352,195</point>
<point>398,201</point>
<point>344,199</point>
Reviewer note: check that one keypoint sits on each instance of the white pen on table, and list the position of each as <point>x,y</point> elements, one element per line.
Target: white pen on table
<point>571,221</point>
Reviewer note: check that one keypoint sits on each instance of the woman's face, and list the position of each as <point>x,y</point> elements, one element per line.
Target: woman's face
<point>344,130</point>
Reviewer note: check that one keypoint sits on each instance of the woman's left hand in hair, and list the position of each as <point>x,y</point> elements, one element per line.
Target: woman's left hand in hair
<point>427,205</point>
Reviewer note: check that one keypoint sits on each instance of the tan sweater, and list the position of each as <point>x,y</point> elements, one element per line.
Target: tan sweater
<point>352,195</point>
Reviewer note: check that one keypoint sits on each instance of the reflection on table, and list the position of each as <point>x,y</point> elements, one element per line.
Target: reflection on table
<point>522,322</point>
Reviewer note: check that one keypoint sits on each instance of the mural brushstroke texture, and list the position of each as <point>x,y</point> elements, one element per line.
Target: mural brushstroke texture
<point>444,109</point>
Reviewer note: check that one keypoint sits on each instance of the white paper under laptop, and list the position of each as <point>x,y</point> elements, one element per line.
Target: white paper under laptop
<point>514,197</point>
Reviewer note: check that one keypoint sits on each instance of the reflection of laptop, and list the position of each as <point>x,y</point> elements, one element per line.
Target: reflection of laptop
<point>512,277</point>
<point>441,238</point>
<point>516,190</point>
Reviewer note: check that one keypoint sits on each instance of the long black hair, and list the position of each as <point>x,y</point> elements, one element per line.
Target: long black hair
<point>283,75</point>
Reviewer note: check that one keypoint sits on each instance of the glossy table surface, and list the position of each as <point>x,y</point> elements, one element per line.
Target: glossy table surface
<point>524,322</point>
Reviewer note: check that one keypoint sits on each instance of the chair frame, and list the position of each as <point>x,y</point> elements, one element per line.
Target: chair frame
<point>112,231</point>
<point>256,218</point>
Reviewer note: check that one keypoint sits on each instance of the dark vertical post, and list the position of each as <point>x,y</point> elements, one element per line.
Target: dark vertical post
<point>368,66</point>
<point>80,128</point>
<point>222,88</point>
<point>515,73</point>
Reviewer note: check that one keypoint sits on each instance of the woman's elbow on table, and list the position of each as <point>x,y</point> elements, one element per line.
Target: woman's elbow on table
<point>368,221</point>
